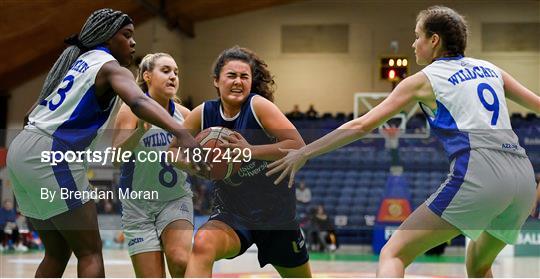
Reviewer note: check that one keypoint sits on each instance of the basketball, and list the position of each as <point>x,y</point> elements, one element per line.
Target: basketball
<point>223,161</point>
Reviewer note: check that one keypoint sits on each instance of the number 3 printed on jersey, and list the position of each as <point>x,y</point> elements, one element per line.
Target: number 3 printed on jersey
<point>61,92</point>
<point>494,107</point>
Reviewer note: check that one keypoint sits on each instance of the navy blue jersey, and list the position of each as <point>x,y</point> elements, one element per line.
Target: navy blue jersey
<point>250,194</point>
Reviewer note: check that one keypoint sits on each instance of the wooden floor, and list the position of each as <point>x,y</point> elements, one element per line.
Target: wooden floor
<point>117,264</point>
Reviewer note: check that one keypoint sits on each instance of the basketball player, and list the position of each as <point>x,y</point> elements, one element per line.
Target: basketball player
<point>75,103</point>
<point>490,189</point>
<point>248,208</point>
<point>163,225</point>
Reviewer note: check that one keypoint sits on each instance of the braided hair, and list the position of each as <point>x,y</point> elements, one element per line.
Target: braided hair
<point>98,29</point>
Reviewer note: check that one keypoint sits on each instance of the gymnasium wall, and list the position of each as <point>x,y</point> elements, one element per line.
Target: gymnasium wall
<point>328,80</point>
<point>325,79</point>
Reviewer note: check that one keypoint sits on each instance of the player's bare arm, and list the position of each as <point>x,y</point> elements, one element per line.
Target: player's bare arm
<point>193,121</point>
<point>274,123</point>
<point>192,124</point>
<point>411,89</point>
<point>520,94</point>
<point>122,82</point>
<point>183,110</point>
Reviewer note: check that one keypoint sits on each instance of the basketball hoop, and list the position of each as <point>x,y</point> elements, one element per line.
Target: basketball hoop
<point>391,136</point>
<point>390,132</point>
<point>366,101</point>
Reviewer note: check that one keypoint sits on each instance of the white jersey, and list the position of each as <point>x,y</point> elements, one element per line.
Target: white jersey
<point>71,114</point>
<point>471,106</point>
<point>156,175</point>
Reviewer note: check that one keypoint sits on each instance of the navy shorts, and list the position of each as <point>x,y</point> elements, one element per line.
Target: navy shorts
<point>283,247</point>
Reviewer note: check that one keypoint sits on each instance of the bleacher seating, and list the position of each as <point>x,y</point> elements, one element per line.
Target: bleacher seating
<point>350,181</point>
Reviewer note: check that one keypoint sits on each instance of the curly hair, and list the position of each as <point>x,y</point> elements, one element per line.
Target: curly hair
<point>449,25</point>
<point>262,82</point>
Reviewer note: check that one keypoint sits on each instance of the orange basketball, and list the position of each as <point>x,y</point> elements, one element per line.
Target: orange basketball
<point>224,163</point>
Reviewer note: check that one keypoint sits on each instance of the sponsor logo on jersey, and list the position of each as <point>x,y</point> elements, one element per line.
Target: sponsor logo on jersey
<point>184,208</point>
<point>135,241</point>
<point>511,146</point>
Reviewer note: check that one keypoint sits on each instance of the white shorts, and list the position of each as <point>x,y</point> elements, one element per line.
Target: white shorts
<point>486,190</point>
<point>38,186</point>
<point>143,221</point>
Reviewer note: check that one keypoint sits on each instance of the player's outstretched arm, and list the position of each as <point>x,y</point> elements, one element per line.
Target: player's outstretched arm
<point>192,122</point>
<point>122,82</point>
<point>520,94</point>
<point>408,90</point>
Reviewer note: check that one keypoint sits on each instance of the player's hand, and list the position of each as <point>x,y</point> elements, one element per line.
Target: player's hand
<point>193,148</point>
<point>179,161</point>
<point>288,165</point>
<point>236,142</point>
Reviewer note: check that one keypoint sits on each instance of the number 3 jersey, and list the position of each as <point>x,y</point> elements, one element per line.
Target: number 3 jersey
<point>149,171</point>
<point>471,106</point>
<point>71,114</point>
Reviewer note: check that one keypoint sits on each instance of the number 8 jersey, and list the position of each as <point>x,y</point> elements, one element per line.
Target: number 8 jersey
<point>71,114</point>
<point>471,106</point>
<point>146,171</point>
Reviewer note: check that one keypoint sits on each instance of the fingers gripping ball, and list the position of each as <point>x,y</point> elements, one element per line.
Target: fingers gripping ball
<point>224,162</point>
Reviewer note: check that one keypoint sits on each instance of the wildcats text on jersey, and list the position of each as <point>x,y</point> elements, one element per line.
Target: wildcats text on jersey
<point>158,139</point>
<point>468,74</point>
<point>79,66</point>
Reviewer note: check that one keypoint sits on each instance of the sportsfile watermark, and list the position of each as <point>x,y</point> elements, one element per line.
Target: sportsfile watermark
<point>117,155</point>
<point>350,182</point>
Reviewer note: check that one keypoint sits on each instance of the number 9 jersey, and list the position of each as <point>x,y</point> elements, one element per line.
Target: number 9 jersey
<point>471,106</point>
<point>71,114</point>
